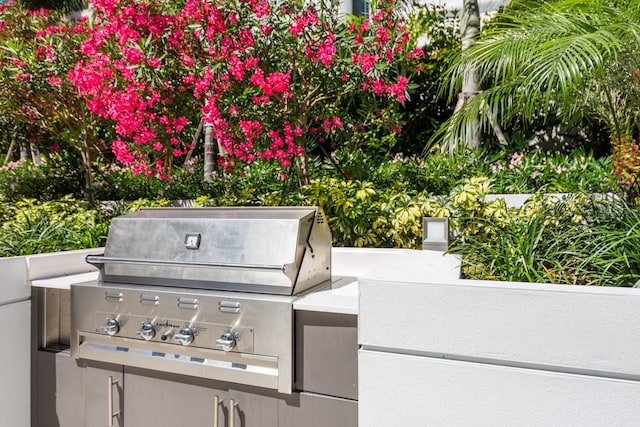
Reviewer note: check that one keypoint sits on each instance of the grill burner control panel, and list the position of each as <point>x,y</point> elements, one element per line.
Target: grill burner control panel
<point>225,337</point>
<point>235,337</point>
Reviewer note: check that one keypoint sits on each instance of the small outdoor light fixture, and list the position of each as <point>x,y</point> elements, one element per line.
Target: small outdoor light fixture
<point>435,234</point>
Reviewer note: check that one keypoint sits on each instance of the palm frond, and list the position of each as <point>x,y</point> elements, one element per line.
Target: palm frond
<point>544,56</point>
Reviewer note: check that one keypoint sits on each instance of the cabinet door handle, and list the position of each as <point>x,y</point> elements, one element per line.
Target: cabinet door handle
<point>112,415</point>
<point>232,407</point>
<point>216,409</point>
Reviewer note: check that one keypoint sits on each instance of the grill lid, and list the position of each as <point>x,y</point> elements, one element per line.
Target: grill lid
<point>276,250</point>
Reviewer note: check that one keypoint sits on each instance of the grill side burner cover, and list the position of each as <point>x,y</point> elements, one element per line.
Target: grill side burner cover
<point>280,250</point>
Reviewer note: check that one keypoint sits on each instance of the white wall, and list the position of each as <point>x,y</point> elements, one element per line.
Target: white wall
<point>15,360</point>
<point>460,352</point>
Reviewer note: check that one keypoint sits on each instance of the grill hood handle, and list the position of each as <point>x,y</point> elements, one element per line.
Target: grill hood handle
<point>100,260</point>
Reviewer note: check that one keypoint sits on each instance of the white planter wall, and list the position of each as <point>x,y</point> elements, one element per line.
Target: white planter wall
<point>15,361</point>
<point>448,352</point>
<point>404,390</point>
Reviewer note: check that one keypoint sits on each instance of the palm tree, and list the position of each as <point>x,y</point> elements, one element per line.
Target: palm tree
<point>571,59</point>
<point>469,32</point>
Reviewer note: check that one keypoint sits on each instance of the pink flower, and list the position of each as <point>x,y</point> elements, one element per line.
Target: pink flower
<point>187,60</point>
<point>276,82</point>
<point>398,90</point>
<point>365,61</point>
<point>121,151</point>
<point>54,81</point>
<point>382,36</point>
<point>266,30</point>
<point>325,51</point>
<point>516,160</point>
<point>236,68</point>
<point>153,62</point>
<point>261,9</point>
<point>132,56</point>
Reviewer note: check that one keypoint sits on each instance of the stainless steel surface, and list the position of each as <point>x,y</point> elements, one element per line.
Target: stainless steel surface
<point>112,415</point>
<point>227,341</point>
<point>111,327</point>
<point>97,259</point>
<point>263,328</point>
<point>184,337</point>
<point>216,409</point>
<point>203,292</point>
<point>53,306</point>
<point>282,251</point>
<point>326,353</point>
<point>232,409</point>
<point>147,331</point>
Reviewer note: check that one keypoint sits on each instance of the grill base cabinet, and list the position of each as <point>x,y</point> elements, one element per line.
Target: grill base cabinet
<point>76,394</point>
<point>79,393</point>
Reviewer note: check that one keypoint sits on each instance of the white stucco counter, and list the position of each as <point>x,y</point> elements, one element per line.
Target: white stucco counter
<point>348,265</point>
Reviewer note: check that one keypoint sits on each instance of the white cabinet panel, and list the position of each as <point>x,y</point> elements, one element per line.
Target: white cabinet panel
<point>404,390</point>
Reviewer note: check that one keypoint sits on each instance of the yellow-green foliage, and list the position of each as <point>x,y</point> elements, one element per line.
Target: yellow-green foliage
<point>534,243</point>
<point>361,215</point>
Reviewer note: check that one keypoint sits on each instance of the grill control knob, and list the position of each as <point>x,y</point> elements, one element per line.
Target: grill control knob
<point>184,337</point>
<point>147,331</point>
<point>111,327</point>
<point>227,341</point>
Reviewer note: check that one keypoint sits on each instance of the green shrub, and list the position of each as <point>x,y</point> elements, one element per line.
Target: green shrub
<point>530,172</point>
<point>545,240</point>
<point>518,172</point>
<point>52,180</point>
<point>31,227</point>
<point>608,251</point>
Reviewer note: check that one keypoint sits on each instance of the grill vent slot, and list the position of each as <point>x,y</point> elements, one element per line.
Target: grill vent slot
<point>319,218</point>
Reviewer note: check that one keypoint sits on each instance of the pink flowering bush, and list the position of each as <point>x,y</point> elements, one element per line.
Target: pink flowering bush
<point>270,77</point>
<point>37,48</point>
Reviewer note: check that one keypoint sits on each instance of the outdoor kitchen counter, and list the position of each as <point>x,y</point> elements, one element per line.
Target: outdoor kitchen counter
<point>348,265</point>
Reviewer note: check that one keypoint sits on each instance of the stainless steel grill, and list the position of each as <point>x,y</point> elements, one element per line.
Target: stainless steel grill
<point>205,292</point>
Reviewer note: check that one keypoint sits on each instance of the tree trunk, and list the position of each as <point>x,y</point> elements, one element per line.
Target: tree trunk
<point>24,151</point>
<point>9,155</point>
<point>35,154</point>
<point>469,31</point>
<point>302,165</point>
<point>85,154</point>
<point>209,152</point>
<point>196,137</point>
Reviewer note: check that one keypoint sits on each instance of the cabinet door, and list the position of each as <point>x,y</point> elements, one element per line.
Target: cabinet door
<point>251,410</point>
<point>103,394</point>
<point>314,410</point>
<point>72,393</point>
<point>68,395</point>
<point>164,400</point>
